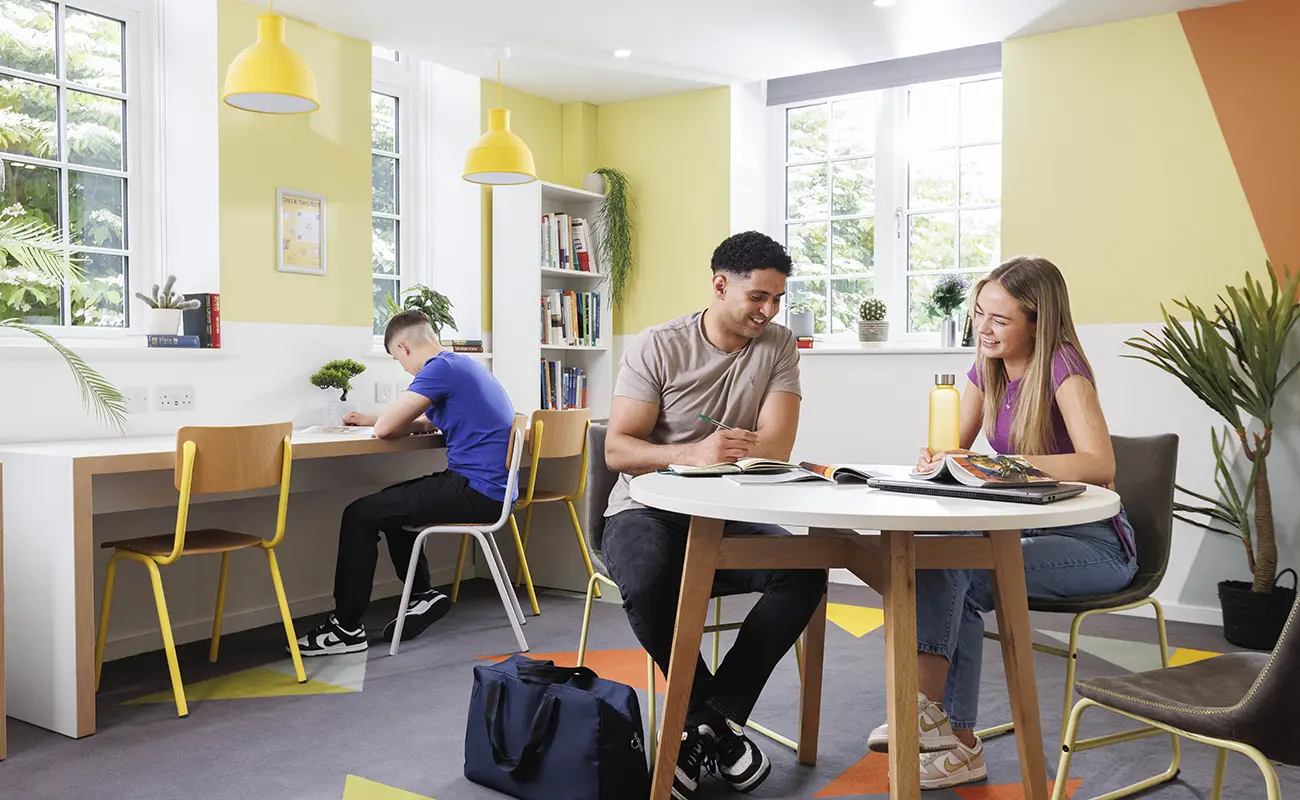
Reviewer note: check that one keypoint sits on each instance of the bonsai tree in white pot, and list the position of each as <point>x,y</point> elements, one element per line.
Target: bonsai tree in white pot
<point>337,374</point>
<point>163,315</point>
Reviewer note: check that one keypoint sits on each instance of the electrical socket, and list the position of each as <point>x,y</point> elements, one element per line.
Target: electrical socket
<point>174,398</point>
<point>383,392</point>
<point>137,399</point>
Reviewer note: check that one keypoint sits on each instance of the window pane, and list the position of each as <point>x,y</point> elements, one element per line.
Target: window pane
<point>931,116</point>
<point>27,36</point>
<point>806,133</point>
<point>813,295</point>
<point>383,176</point>
<point>932,242</point>
<point>981,175</point>
<point>34,191</point>
<point>26,297</point>
<point>853,243</point>
<point>932,179</point>
<point>854,125</point>
<point>383,122</point>
<point>981,238</point>
<point>379,51</point>
<point>806,191</point>
<point>95,206</point>
<point>92,48</point>
<point>922,316</point>
<point>847,295</point>
<point>28,111</point>
<point>95,130</point>
<point>383,248</point>
<point>806,244</point>
<point>100,298</point>
<point>854,186</point>
<point>381,290</point>
<point>981,111</point>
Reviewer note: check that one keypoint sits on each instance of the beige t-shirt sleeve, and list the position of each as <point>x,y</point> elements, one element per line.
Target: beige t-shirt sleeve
<point>641,375</point>
<point>785,374</point>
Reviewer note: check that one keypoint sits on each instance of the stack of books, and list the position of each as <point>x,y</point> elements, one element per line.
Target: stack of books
<point>200,327</point>
<point>570,318</point>
<point>563,387</point>
<point>463,345</point>
<point>803,342</point>
<point>567,244</point>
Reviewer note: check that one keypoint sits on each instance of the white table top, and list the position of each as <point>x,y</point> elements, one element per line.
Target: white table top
<point>859,507</point>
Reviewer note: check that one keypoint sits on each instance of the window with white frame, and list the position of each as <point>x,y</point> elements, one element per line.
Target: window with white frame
<point>389,176</point>
<point>65,165</point>
<point>886,192</point>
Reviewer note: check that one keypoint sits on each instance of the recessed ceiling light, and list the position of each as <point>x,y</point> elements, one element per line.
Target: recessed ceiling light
<point>622,53</point>
<point>884,3</point>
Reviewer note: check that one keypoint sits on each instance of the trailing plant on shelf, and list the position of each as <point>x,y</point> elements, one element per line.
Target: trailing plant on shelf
<point>435,305</point>
<point>40,249</point>
<point>337,374</point>
<point>872,325</point>
<point>616,229</point>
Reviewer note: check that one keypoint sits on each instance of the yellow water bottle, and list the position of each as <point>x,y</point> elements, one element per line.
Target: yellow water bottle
<point>945,414</point>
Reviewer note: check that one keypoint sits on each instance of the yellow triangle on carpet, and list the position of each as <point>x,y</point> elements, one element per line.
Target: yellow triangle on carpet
<point>361,789</point>
<point>1186,655</point>
<point>857,620</point>
<point>255,682</point>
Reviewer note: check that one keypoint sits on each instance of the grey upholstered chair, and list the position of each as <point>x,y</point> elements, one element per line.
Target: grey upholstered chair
<point>1240,701</point>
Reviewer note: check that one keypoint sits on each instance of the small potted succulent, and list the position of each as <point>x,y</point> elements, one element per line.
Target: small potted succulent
<point>337,374</point>
<point>163,315</point>
<point>948,296</point>
<point>800,318</point>
<point>873,328</point>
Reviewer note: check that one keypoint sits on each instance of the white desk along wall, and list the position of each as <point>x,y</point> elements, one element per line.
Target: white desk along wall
<point>49,548</point>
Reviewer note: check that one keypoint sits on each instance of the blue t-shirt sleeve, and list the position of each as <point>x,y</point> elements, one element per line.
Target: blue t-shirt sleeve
<point>433,381</point>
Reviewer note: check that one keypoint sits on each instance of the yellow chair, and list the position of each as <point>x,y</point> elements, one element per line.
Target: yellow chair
<point>211,460</point>
<point>552,434</point>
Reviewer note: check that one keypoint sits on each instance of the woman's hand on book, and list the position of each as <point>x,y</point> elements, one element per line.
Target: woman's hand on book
<point>930,461</point>
<point>724,446</point>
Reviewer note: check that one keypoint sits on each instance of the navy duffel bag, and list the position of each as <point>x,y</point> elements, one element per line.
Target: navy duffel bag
<point>541,732</point>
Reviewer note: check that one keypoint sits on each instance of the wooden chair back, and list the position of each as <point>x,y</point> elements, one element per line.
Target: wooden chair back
<point>564,433</point>
<point>519,425</point>
<point>233,458</point>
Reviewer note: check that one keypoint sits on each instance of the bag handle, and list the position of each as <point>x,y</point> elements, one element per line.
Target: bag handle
<point>536,671</point>
<point>537,731</point>
<point>1294,580</point>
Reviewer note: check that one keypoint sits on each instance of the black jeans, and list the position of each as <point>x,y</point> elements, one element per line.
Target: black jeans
<point>645,550</point>
<point>441,497</point>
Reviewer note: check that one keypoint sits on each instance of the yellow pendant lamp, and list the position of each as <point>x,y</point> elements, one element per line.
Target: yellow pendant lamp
<point>268,77</point>
<point>500,158</point>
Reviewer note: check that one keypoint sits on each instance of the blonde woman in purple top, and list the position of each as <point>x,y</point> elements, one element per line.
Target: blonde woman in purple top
<point>1031,392</point>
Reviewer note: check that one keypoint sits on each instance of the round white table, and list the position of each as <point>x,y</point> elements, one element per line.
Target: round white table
<point>887,562</point>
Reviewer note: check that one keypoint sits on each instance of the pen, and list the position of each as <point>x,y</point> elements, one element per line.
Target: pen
<point>712,421</point>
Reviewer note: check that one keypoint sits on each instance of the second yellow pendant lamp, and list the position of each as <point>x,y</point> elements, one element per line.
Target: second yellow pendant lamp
<point>500,158</point>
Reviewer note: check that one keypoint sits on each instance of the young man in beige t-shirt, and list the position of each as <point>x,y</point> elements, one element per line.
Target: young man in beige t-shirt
<point>730,363</point>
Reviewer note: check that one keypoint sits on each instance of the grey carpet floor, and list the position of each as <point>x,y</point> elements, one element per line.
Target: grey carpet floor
<point>405,727</point>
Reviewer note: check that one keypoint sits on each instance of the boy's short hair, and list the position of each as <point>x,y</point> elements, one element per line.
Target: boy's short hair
<point>402,323</point>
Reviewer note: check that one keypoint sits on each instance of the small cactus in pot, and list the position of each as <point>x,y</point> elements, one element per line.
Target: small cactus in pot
<point>872,325</point>
<point>163,315</point>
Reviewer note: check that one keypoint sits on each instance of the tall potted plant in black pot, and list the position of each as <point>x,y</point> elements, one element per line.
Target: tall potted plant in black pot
<point>1231,358</point>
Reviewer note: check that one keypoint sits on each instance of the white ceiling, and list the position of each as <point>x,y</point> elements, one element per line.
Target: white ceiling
<point>563,50</point>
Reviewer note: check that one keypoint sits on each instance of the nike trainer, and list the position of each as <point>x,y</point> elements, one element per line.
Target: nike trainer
<point>936,731</point>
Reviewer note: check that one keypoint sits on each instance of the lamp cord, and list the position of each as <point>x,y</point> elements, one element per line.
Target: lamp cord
<point>498,83</point>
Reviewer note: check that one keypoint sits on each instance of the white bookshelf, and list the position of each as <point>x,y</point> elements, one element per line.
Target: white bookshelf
<point>518,282</point>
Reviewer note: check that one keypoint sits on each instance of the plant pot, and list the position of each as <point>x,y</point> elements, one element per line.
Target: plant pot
<point>162,321</point>
<point>1255,620</point>
<point>873,332</point>
<point>948,332</point>
<point>336,410</point>
<point>801,323</point>
<point>594,182</point>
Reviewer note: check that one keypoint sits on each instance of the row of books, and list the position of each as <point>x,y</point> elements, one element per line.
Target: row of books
<point>200,327</point>
<point>463,345</point>
<point>570,318</point>
<point>563,387</point>
<point>567,244</point>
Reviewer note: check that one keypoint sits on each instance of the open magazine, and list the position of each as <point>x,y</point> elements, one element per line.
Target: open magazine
<point>807,471</point>
<point>987,471</point>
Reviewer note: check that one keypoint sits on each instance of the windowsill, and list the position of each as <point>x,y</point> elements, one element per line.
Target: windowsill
<point>881,349</point>
<point>378,352</point>
<point>22,346</point>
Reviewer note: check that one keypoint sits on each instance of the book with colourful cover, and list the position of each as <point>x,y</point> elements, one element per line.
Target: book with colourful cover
<point>974,469</point>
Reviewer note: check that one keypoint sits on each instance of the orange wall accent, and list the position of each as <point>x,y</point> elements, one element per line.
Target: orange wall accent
<point>1250,63</point>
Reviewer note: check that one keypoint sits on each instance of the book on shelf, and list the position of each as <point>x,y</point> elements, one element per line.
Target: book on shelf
<point>570,318</point>
<point>165,340</point>
<point>204,321</point>
<point>463,345</point>
<point>803,342</point>
<point>567,244</point>
<point>563,388</point>
<point>974,469</point>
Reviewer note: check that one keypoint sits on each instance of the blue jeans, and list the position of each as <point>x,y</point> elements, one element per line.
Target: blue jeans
<point>1073,561</point>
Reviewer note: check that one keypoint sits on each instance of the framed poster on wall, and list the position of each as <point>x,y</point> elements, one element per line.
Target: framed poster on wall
<point>300,240</point>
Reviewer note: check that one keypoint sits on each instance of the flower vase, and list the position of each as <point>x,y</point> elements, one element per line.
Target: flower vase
<point>948,331</point>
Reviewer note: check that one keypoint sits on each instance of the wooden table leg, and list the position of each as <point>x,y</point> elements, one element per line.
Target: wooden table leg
<point>1012,604</point>
<point>810,696</point>
<point>898,576</point>
<point>702,545</point>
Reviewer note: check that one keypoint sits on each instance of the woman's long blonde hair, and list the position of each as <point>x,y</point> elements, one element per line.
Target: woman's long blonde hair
<point>1039,287</point>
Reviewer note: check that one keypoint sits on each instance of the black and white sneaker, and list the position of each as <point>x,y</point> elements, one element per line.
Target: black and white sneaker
<point>740,762</point>
<point>424,609</point>
<point>331,639</point>
<point>697,749</point>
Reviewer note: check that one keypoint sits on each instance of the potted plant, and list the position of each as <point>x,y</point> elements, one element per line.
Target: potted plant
<point>337,374</point>
<point>614,221</point>
<point>800,318</point>
<point>872,326</point>
<point>948,296</point>
<point>435,305</point>
<point>163,315</point>
<point>1231,359</point>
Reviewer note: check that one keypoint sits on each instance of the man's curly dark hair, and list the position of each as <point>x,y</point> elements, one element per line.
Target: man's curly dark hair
<point>745,252</point>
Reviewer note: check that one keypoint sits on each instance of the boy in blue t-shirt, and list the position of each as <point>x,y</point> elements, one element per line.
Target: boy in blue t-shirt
<point>450,393</point>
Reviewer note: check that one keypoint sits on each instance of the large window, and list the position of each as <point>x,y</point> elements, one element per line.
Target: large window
<point>885,192</point>
<point>388,178</point>
<point>64,111</point>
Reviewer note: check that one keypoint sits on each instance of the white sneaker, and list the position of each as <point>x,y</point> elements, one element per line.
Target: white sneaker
<point>936,731</point>
<point>953,767</point>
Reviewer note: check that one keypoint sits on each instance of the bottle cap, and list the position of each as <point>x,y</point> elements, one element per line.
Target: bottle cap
<point>945,379</point>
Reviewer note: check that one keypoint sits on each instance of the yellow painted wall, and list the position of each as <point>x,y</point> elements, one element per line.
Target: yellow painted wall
<point>327,152</point>
<point>675,151</point>
<point>1115,168</point>
<point>580,155</point>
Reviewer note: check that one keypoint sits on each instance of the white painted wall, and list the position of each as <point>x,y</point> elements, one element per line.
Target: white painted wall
<point>749,157</point>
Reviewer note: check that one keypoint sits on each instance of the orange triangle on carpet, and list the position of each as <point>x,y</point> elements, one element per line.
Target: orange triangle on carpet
<point>624,666</point>
<point>1010,791</point>
<point>868,776</point>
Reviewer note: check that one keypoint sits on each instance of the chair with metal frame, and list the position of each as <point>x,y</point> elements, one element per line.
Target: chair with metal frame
<point>600,481</point>
<point>211,460</point>
<point>1145,469</point>
<point>1240,702</point>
